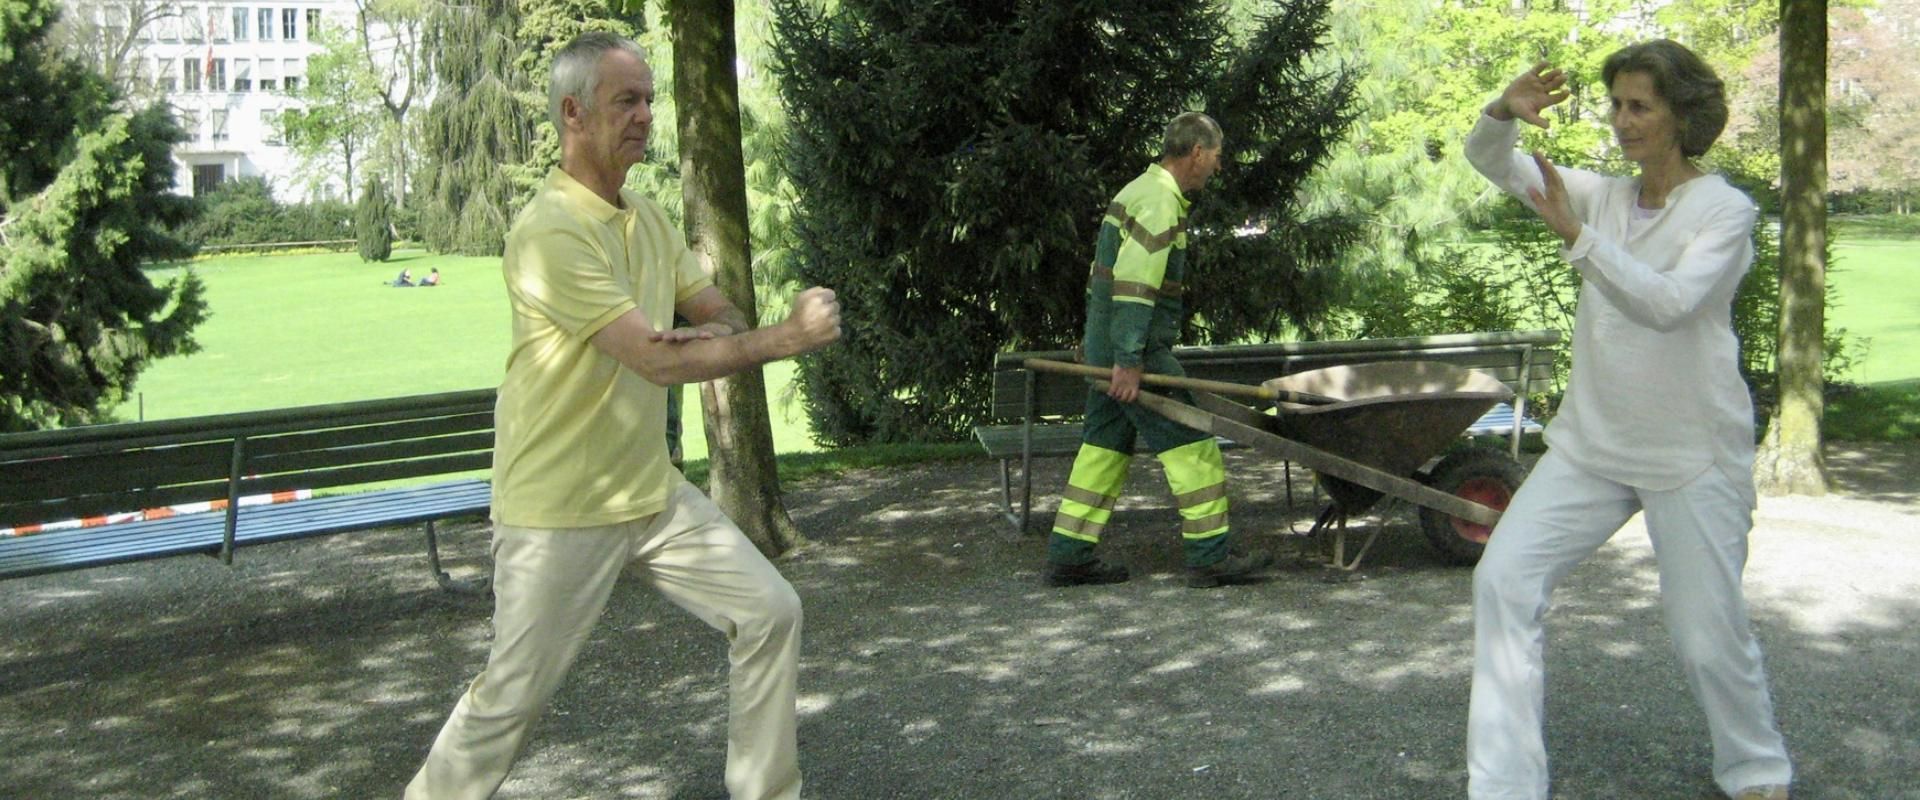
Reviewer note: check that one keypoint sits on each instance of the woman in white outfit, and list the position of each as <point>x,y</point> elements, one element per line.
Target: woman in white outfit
<point>1655,419</point>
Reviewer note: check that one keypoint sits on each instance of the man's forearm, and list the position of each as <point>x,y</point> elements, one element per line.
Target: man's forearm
<point>706,359</point>
<point>731,317</point>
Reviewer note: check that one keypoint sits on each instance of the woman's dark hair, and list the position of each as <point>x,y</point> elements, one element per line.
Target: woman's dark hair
<point>1696,95</point>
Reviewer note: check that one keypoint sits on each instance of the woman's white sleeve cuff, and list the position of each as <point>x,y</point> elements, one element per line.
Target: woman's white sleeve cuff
<point>1582,245</point>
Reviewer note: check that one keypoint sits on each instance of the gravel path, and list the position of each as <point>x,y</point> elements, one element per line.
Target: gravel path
<point>936,666</point>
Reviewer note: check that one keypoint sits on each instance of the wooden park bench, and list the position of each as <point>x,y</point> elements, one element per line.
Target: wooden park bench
<point>74,474</point>
<point>1036,414</point>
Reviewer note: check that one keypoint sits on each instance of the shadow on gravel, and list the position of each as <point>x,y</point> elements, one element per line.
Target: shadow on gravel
<point>935,666</point>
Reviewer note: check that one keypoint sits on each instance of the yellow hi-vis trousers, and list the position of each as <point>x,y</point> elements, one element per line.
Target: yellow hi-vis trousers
<point>1196,474</point>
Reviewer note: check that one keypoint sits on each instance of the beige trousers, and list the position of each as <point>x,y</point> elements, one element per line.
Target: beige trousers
<point>550,587</point>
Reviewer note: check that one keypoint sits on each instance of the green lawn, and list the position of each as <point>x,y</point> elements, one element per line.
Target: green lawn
<point>292,330</point>
<point>1876,296</point>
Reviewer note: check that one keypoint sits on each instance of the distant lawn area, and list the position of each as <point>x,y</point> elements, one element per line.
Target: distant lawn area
<point>295,330</point>
<point>1876,296</point>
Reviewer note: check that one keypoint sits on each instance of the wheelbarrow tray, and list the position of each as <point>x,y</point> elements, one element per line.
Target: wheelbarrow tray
<point>1222,417</point>
<point>1392,416</point>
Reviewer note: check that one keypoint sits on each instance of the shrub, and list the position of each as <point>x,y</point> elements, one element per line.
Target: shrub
<point>373,222</point>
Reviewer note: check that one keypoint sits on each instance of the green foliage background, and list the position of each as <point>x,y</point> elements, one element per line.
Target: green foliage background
<point>953,160</point>
<point>85,201</point>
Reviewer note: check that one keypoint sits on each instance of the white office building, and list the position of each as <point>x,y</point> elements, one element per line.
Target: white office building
<point>227,69</point>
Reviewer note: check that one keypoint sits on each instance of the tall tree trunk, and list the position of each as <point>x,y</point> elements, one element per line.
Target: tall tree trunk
<point>1790,460</point>
<point>742,475</point>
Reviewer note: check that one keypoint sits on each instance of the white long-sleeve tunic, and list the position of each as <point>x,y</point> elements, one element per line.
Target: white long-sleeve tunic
<point>1655,397</point>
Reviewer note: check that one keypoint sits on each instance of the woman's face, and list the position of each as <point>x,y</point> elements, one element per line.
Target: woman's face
<point>1643,122</point>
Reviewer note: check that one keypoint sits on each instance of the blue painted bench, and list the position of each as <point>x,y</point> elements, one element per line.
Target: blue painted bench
<point>78,473</point>
<point>1036,414</point>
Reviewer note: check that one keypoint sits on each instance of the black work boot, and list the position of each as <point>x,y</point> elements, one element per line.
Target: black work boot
<point>1235,568</point>
<point>1095,571</point>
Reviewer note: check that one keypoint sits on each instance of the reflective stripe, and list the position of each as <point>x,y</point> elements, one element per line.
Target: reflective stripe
<point>1152,242</point>
<point>1123,289</point>
<point>1091,499</point>
<point>1198,477</point>
<point>1083,511</point>
<point>1205,526</point>
<point>1198,496</point>
<point>1167,288</point>
<point>1073,527</point>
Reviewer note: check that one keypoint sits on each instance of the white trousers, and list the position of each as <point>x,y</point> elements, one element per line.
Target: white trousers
<point>550,587</point>
<point>1558,518</point>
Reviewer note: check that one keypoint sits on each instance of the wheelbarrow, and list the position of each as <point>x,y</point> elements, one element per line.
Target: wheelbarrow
<point>1367,430</point>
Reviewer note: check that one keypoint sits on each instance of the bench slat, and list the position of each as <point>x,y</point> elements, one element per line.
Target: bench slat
<point>379,452</point>
<point>151,467</point>
<point>54,551</point>
<point>373,473</point>
<point>404,430</point>
<point>108,502</point>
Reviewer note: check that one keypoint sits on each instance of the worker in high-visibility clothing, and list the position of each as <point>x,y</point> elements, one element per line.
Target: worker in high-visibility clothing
<point>1134,314</point>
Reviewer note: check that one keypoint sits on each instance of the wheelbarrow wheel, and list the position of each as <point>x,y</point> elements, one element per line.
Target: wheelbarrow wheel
<point>1486,476</point>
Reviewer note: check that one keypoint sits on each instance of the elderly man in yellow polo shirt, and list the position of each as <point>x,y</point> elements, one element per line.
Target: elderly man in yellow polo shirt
<point>581,484</point>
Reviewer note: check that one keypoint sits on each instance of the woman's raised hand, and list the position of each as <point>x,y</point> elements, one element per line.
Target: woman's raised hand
<point>1531,93</point>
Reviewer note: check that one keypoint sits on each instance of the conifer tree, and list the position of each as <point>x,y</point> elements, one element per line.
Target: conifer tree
<point>479,125</point>
<point>85,203</point>
<point>373,222</point>
<point>953,161</point>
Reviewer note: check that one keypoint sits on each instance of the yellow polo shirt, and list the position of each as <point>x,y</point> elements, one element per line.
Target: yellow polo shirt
<point>580,440</point>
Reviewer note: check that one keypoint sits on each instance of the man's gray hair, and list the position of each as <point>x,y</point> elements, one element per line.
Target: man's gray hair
<point>1188,131</point>
<point>576,70</point>
<point>1683,79</point>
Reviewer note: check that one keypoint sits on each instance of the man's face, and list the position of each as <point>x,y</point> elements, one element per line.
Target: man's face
<point>1201,166</point>
<point>1209,163</point>
<point>615,128</point>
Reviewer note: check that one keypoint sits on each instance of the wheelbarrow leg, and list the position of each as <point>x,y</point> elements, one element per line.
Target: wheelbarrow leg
<point>1333,524</point>
<point>1006,495</point>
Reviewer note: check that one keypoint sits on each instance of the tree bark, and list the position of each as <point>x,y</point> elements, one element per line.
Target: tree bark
<point>743,478</point>
<point>1790,460</point>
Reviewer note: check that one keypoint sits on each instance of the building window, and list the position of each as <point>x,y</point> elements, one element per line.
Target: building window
<point>289,19</point>
<point>219,124</point>
<point>217,77</point>
<point>270,126</point>
<point>292,71</point>
<point>216,26</point>
<point>190,74</point>
<point>243,75</point>
<point>116,23</point>
<point>266,24</point>
<point>269,75</point>
<point>207,176</point>
<point>168,27</point>
<point>241,17</point>
<point>164,79</point>
<point>190,122</point>
<point>313,21</point>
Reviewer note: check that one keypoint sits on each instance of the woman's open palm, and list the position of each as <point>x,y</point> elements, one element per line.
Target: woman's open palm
<point>1535,91</point>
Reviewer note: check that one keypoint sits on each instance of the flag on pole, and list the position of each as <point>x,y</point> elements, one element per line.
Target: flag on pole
<point>213,32</point>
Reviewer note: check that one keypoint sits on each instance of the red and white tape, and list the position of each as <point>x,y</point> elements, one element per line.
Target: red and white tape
<point>156,513</point>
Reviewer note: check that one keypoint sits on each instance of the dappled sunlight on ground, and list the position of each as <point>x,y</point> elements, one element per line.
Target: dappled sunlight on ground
<point>936,665</point>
